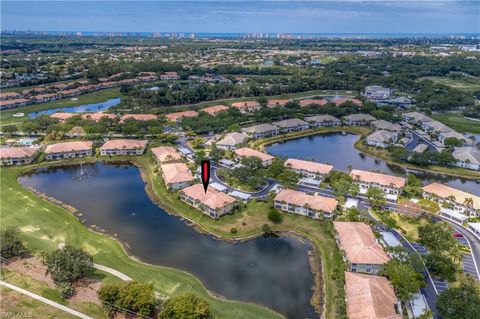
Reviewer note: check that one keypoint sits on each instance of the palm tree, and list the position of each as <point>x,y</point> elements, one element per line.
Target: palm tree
<point>468,202</point>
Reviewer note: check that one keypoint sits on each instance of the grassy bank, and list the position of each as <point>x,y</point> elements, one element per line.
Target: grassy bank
<point>261,143</point>
<point>385,155</point>
<point>43,226</point>
<point>468,84</point>
<point>6,116</point>
<point>458,122</point>
<point>249,221</point>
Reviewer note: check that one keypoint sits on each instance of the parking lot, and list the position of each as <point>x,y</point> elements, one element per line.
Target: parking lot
<point>468,266</point>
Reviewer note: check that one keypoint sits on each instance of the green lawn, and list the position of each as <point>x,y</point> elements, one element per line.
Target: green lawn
<point>44,225</point>
<point>458,122</point>
<point>466,84</point>
<point>6,117</point>
<point>15,305</point>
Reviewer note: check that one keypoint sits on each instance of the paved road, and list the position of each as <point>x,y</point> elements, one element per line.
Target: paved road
<point>416,139</point>
<point>45,300</point>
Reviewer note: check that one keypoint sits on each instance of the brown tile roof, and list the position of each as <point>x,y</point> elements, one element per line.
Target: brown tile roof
<point>369,297</point>
<point>308,166</point>
<point>176,173</point>
<point>97,116</point>
<point>139,117</point>
<point>18,152</point>
<point>211,198</point>
<point>358,242</point>
<point>179,115</point>
<point>308,102</point>
<point>274,103</point>
<point>444,191</point>
<point>7,95</point>
<point>62,116</point>
<point>68,147</point>
<point>248,152</point>
<point>212,110</point>
<point>381,179</point>
<point>246,106</point>
<point>297,198</point>
<point>166,153</point>
<point>124,144</point>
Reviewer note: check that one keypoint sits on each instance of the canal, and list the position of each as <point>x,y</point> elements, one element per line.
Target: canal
<point>274,272</point>
<point>338,150</point>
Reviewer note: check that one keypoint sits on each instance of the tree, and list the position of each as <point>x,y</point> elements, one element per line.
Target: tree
<point>187,306</point>
<point>452,142</point>
<point>275,216</point>
<point>461,302</point>
<point>438,237</point>
<point>11,245</point>
<point>404,278</point>
<point>289,179</point>
<point>216,153</point>
<point>341,182</point>
<point>134,296</point>
<point>441,265</point>
<point>413,188</point>
<point>66,266</point>
<point>376,197</point>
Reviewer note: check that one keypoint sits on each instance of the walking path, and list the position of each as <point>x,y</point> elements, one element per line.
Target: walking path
<point>45,300</point>
<point>112,271</point>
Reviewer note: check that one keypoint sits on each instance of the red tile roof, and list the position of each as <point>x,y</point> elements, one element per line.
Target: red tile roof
<point>124,144</point>
<point>369,297</point>
<point>97,116</point>
<point>179,115</point>
<point>315,101</point>
<point>69,147</point>
<point>248,152</point>
<point>320,203</point>
<point>308,166</point>
<point>358,242</point>
<point>138,117</point>
<point>381,179</point>
<point>166,153</point>
<point>62,116</point>
<point>274,103</point>
<point>211,198</point>
<point>176,173</point>
<point>213,110</point>
<point>18,152</point>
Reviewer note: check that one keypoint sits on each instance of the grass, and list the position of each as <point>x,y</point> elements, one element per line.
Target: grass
<point>6,116</point>
<point>45,225</point>
<point>386,156</point>
<point>263,142</point>
<point>458,122</point>
<point>41,288</point>
<point>468,84</point>
<point>283,96</point>
<point>17,305</point>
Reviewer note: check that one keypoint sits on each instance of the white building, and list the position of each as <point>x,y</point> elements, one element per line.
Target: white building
<point>391,185</point>
<point>358,119</point>
<point>455,199</point>
<point>467,157</point>
<point>309,169</point>
<point>381,138</point>
<point>261,130</point>
<point>323,120</point>
<point>68,150</point>
<point>303,204</point>
<point>231,140</point>
<point>291,125</point>
<point>377,92</point>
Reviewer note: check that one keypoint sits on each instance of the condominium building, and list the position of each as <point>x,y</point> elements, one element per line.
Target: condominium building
<point>212,203</point>
<point>68,150</point>
<point>362,252</point>
<point>123,147</point>
<point>303,204</point>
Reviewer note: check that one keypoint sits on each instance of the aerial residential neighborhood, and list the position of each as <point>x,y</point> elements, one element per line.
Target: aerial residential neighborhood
<point>240,159</point>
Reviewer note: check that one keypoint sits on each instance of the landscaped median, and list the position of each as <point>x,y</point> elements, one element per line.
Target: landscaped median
<point>44,225</point>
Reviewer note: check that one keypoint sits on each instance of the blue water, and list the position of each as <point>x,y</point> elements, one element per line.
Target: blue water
<point>339,150</point>
<point>270,271</point>
<point>92,108</point>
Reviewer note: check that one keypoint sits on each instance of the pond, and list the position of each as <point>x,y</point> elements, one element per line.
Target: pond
<point>338,150</point>
<point>95,107</point>
<point>274,272</point>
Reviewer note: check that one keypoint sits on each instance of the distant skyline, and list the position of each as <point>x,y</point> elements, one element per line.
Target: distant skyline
<point>355,16</point>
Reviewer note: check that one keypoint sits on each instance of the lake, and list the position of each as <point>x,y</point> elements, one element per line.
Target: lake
<point>92,108</point>
<point>339,150</point>
<point>274,272</point>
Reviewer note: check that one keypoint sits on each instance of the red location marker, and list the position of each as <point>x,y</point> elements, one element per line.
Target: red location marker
<point>205,174</point>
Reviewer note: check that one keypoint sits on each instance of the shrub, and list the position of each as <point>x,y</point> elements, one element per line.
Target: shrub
<point>11,245</point>
<point>233,230</point>
<point>275,216</point>
<point>187,306</point>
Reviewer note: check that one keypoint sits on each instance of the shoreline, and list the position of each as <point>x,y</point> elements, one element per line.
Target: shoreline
<point>317,300</point>
<point>359,147</point>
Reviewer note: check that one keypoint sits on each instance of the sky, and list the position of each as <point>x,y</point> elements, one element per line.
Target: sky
<point>334,16</point>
